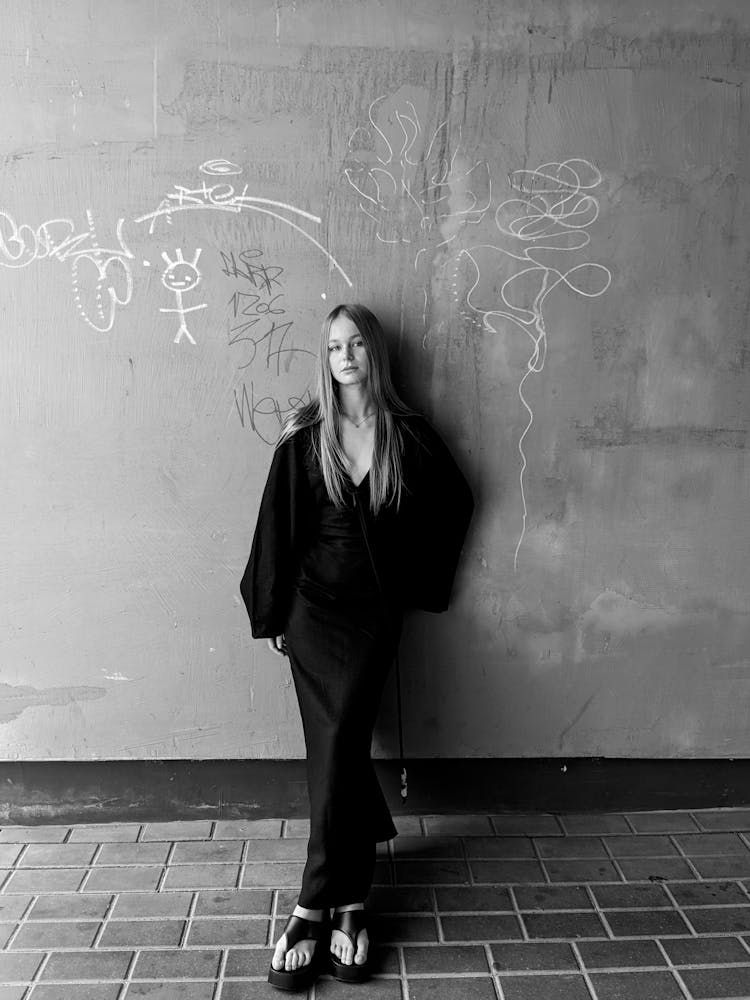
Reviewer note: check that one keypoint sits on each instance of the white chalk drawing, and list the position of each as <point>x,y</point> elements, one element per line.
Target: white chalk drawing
<point>220,168</point>
<point>419,189</point>
<point>222,197</point>
<point>58,239</point>
<point>551,218</point>
<point>180,276</point>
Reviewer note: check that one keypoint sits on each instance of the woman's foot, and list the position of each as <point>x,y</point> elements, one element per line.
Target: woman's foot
<point>300,953</point>
<point>341,945</point>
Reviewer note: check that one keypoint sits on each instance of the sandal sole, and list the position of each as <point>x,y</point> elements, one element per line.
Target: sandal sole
<point>294,982</point>
<point>349,973</point>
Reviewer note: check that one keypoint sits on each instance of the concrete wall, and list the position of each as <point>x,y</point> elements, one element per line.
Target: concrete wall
<point>548,204</point>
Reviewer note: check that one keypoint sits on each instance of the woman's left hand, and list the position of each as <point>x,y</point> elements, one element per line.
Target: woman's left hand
<point>277,644</point>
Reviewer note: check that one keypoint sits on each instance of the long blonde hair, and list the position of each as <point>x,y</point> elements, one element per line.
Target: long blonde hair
<point>323,411</point>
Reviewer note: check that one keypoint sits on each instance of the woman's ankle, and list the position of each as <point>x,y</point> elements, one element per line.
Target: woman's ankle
<point>307,914</point>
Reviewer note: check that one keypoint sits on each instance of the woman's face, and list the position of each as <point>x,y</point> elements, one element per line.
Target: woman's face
<point>347,354</point>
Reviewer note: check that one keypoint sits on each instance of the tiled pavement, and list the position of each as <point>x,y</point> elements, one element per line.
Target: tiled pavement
<point>641,906</point>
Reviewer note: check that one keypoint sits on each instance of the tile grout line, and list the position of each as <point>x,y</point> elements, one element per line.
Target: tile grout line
<point>546,909</point>
<point>436,917</point>
<point>221,972</point>
<point>697,822</point>
<point>685,858</point>
<point>427,945</point>
<point>244,851</point>
<point>89,868</point>
<point>105,920</point>
<point>493,972</point>
<point>599,910</point>
<point>22,920</point>
<point>613,860</point>
<point>540,860</point>
<point>37,975</point>
<point>584,970</point>
<point>188,925</point>
<point>20,856</point>
<point>680,910</point>
<point>499,992</point>
<point>673,970</point>
<point>128,977</point>
<point>192,864</point>
<point>517,912</point>
<point>272,918</point>
<point>467,862</point>
<point>87,872</point>
<point>402,977</point>
<point>548,973</point>
<point>165,867</point>
<point>630,823</point>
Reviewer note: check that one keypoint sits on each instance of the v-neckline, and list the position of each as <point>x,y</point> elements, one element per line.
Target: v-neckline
<point>357,485</point>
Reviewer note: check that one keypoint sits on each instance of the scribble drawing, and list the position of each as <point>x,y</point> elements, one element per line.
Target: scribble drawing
<point>222,197</point>
<point>417,188</point>
<point>57,239</point>
<point>181,276</point>
<point>219,168</point>
<point>552,219</point>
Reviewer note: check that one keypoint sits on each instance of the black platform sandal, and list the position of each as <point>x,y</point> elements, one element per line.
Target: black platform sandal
<point>351,922</point>
<point>297,929</point>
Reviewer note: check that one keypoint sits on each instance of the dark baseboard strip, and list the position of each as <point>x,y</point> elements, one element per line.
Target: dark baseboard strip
<point>109,791</point>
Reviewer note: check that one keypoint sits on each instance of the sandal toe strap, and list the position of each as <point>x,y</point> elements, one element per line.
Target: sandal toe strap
<point>299,928</point>
<point>351,922</point>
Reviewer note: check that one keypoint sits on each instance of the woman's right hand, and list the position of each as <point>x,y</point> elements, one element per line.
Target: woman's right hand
<point>277,644</point>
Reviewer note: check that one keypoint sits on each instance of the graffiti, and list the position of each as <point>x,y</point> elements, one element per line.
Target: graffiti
<point>266,415</point>
<point>259,329</point>
<point>181,276</point>
<point>102,273</point>
<point>218,168</point>
<point>418,189</point>
<point>222,197</point>
<point>551,219</point>
<point>58,239</point>
<point>247,265</point>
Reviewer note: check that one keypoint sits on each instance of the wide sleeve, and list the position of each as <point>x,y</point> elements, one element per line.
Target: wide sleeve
<point>269,576</point>
<point>441,512</point>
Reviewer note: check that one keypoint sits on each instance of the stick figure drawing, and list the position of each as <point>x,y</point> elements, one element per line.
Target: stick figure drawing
<point>181,276</point>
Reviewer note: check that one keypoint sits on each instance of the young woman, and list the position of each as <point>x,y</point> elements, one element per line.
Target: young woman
<point>363,515</point>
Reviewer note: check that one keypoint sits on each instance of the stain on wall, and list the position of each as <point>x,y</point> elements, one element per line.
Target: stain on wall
<point>547,204</point>
<point>17,699</point>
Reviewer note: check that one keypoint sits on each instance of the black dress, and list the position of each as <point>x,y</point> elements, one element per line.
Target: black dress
<point>335,581</point>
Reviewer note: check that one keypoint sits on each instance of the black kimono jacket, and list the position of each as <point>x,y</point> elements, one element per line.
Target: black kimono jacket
<point>415,547</point>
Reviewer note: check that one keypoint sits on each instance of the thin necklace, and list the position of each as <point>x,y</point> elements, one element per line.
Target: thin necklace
<point>367,417</point>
